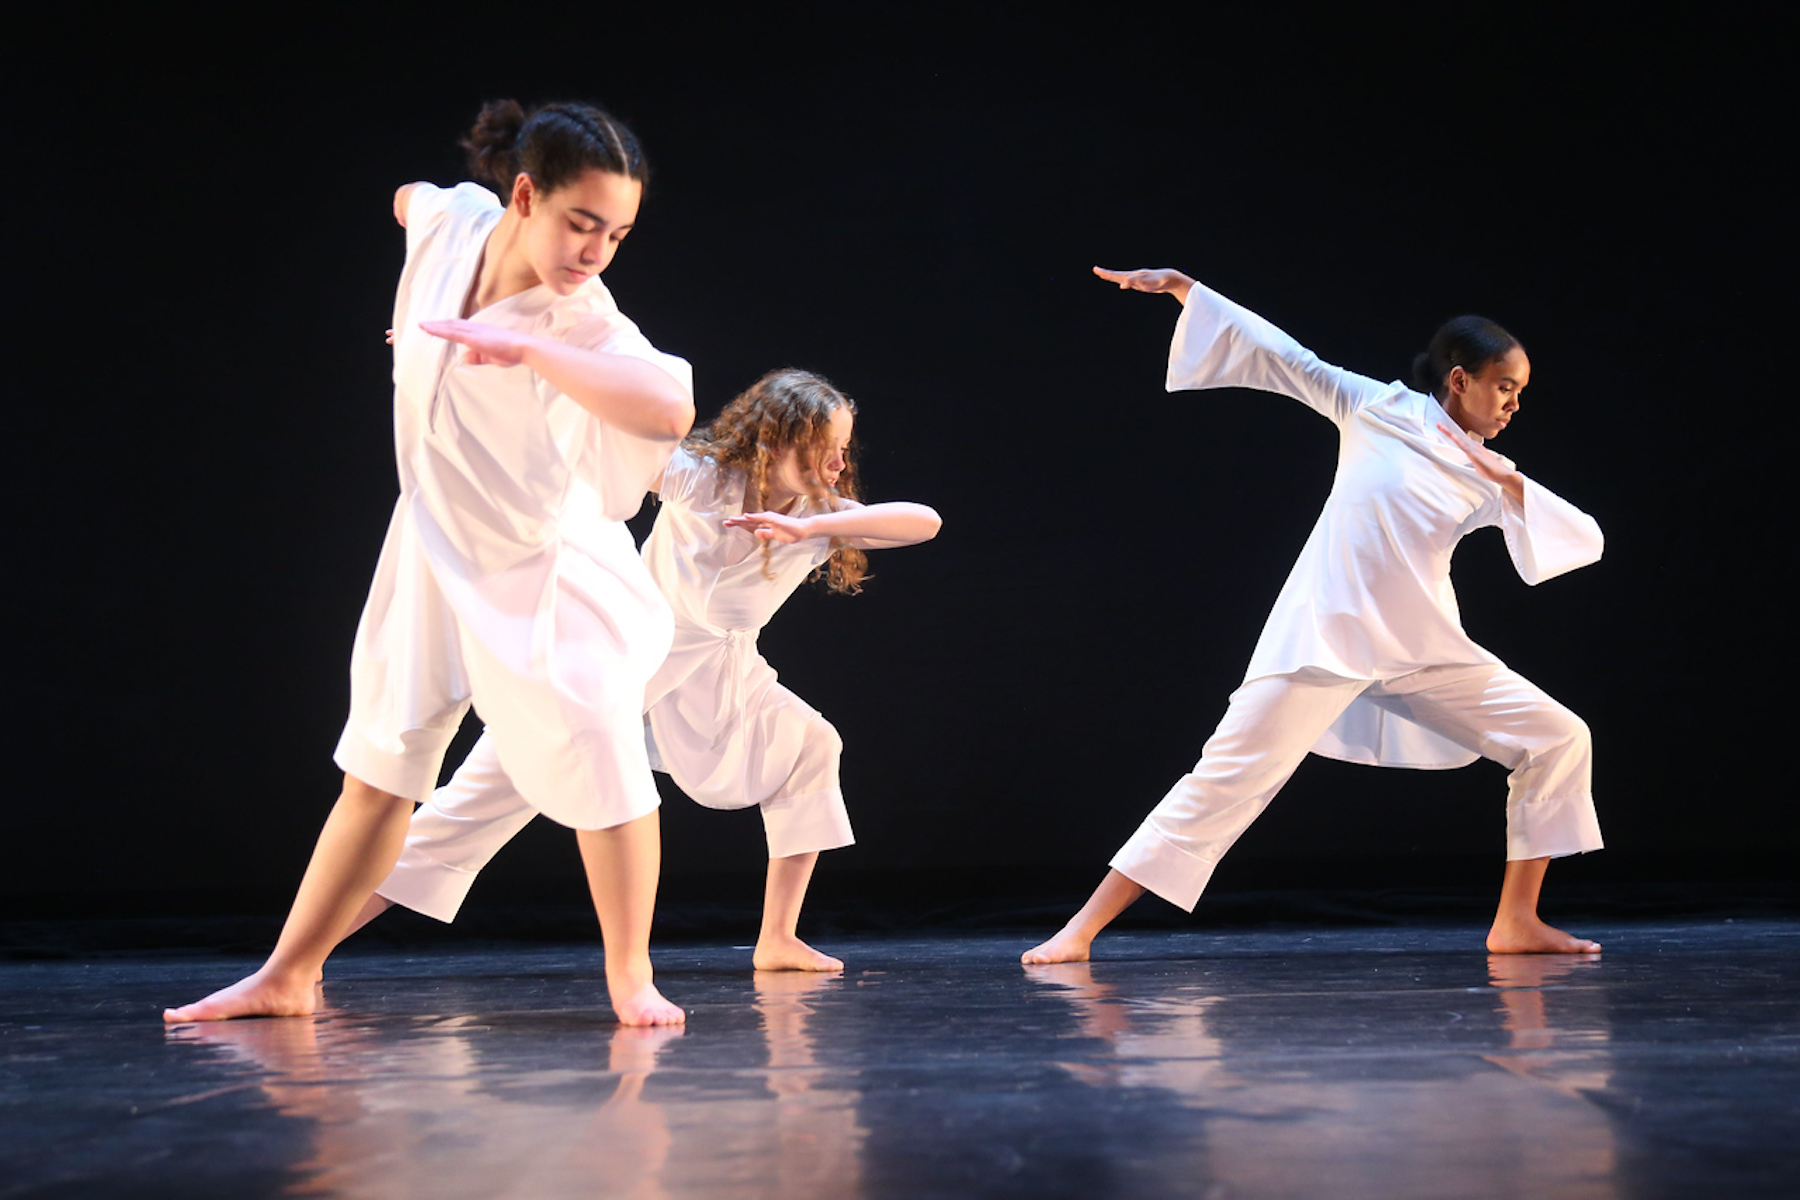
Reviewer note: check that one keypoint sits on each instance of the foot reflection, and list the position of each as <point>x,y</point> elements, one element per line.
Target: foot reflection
<point>815,1145</point>
<point>1371,1086</point>
<point>545,1103</point>
<point>437,1107</point>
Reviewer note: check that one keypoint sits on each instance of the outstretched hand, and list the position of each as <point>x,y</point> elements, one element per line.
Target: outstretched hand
<point>771,526</point>
<point>1149,279</point>
<point>1488,465</point>
<point>487,344</point>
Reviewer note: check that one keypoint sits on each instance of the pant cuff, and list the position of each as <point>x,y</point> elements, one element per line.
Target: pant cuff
<point>808,823</point>
<point>1552,828</point>
<point>1149,860</point>
<point>425,885</point>
<point>411,774</point>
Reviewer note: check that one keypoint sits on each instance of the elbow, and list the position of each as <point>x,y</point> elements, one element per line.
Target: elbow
<point>402,195</point>
<point>674,410</point>
<point>681,419</point>
<point>929,523</point>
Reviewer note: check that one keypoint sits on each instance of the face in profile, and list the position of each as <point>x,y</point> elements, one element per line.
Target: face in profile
<point>809,470</point>
<point>1486,402</point>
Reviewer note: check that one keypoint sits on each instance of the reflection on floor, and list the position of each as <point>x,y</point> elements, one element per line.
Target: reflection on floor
<point>1378,1063</point>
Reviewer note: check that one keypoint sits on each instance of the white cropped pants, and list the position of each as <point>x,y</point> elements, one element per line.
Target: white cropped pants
<point>457,832</point>
<point>1273,722</point>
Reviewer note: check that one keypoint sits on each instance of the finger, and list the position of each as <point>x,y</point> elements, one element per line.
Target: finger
<point>1455,435</point>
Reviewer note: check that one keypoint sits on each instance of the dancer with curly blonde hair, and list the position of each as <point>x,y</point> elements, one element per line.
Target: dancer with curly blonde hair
<point>754,503</point>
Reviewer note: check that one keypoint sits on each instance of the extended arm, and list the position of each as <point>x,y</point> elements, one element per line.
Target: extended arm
<point>627,393</point>
<point>1151,279</point>
<point>867,527</point>
<point>1221,344</point>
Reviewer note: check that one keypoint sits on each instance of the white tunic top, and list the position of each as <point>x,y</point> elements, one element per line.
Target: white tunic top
<point>1370,596</point>
<point>518,496</point>
<point>493,452</point>
<point>723,727</point>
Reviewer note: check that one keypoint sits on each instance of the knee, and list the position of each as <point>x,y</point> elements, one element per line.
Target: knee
<point>1576,733</point>
<point>826,737</point>
<point>1565,735</point>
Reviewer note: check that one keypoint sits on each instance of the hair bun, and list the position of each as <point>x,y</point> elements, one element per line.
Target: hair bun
<point>1421,373</point>
<point>493,144</point>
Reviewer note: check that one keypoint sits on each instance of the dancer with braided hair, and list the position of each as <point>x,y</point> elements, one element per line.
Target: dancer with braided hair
<point>529,417</point>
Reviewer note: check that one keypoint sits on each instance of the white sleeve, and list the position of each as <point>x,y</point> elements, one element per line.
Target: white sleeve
<point>1221,344</point>
<point>1547,536</point>
<point>683,476</point>
<point>615,333</point>
<point>428,207</point>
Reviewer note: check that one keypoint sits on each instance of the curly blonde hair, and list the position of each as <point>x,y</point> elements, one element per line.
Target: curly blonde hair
<point>783,409</point>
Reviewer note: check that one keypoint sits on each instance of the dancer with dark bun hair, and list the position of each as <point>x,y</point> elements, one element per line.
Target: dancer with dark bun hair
<point>759,499</point>
<point>530,417</point>
<point>1364,657</point>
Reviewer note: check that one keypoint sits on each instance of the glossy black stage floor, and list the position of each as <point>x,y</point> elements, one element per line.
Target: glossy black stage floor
<point>1343,1063</point>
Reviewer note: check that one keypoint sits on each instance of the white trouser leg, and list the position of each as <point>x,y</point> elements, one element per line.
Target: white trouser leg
<point>455,833</point>
<point>1501,715</point>
<point>1269,727</point>
<point>815,819</point>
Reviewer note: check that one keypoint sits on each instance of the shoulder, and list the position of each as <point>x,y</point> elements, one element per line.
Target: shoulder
<point>425,201</point>
<point>590,319</point>
<point>692,479</point>
<point>431,213</point>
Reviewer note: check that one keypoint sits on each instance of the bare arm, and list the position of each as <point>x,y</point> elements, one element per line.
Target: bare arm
<point>627,393</point>
<point>868,527</point>
<point>1150,279</point>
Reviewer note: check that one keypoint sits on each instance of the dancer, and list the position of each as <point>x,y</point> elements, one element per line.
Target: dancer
<point>1364,657</point>
<point>508,577</point>
<point>752,504</point>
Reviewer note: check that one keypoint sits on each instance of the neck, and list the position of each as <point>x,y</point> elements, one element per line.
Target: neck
<point>779,500</point>
<point>503,272</point>
<point>1452,406</point>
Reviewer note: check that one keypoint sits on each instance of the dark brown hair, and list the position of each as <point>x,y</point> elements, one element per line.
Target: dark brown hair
<point>788,408</point>
<point>1468,342</point>
<point>555,144</point>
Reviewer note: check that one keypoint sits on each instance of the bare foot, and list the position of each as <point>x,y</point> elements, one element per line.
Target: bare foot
<point>264,994</point>
<point>1066,946</point>
<point>1532,936</point>
<point>785,952</point>
<point>641,1004</point>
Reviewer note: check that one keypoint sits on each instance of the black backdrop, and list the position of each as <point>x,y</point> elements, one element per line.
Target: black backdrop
<point>908,200</point>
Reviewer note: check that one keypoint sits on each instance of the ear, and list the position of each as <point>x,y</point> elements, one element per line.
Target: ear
<point>523,193</point>
<point>1457,380</point>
